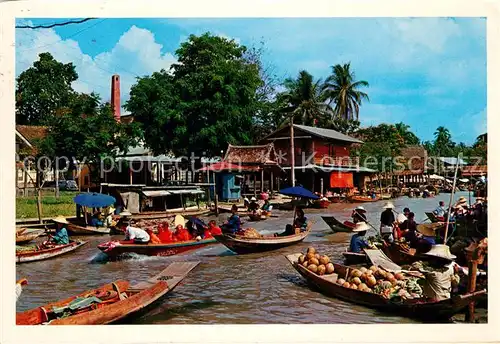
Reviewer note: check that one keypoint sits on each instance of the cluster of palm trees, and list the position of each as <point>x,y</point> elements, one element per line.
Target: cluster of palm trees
<point>314,102</point>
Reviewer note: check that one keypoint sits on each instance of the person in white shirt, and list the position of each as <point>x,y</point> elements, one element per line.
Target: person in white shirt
<point>139,236</point>
<point>19,287</point>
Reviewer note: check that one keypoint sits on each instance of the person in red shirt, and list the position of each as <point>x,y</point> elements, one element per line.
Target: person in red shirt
<point>181,234</point>
<point>212,229</point>
<point>153,237</point>
<point>164,234</point>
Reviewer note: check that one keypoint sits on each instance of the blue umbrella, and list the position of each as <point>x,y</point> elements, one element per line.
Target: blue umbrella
<point>298,191</point>
<point>94,200</point>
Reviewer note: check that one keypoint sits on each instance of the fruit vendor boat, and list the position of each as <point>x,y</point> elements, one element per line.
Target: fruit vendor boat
<point>243,245</point>
<point>362,199</point>
<point>35,253</point>
<point>115,249</point>
<point>338,226</point>
<point>110,303</point>
<point>352,258</point>
<point>418,308</point>
<point>257,217</point>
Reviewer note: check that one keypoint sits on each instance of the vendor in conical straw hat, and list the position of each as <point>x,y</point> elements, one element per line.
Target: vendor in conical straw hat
<point>461,206</point>
<point>439,271</point>
<point>358,241</point>
<point>358,214</point>
<point>61,236</point>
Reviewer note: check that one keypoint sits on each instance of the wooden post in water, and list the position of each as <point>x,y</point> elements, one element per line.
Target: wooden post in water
<point>272,184</point>
<point>216,196</point>
<point>471,287</point>
<point>255,185</point>
<point>262,180</point>
<point>451,201</point>
<point>292,151</point>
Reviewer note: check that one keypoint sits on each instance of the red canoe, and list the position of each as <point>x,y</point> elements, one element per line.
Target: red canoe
<point>26,256</point>
<point>115,249</point>
<point>110,303</point>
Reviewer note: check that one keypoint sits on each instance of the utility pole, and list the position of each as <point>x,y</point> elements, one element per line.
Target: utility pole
<point>292,150</point>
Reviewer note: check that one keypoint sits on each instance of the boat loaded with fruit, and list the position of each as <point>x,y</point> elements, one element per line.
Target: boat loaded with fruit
<point>418,292</point>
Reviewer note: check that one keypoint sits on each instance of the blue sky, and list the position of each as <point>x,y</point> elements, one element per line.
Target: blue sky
<point>426,72</point>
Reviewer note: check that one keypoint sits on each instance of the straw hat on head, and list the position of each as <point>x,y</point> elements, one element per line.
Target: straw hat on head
<point>361,227</point>
<point>179,220</point>
<point>401,218</point>
<point>428,229</point>
<point>360,208</point>
<point>60,219</point>
<point>389,205</point>
<point>253,199</point>
<point>462,200</point>
<point>125,213</point>
<point>441,251</point>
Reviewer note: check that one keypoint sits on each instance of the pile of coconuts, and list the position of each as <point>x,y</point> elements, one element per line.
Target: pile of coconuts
<point>372,280</point>
<point>313,261</point>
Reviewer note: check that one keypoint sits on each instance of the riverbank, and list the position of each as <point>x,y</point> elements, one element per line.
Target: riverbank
<point>26,207</point>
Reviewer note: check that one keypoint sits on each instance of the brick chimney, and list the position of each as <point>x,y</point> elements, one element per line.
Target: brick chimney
<point>115,96</point>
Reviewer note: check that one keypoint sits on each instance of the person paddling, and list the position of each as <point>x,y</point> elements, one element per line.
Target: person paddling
<point>61,236</point>
<point>387,220</point>
<point>233,224</point>
<point>359,214</point>
<point>358,241</point>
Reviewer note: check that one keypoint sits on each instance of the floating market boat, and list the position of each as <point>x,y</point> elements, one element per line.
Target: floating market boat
<point>322,204</point>
<point>338,226</point>
<point>362,199</point>
<point>418,307</point>
<point>243,245</point>
<point>27,237</point>
<point>433,218</point>
<point>77,227</point>
<point>352,258</point>
<point>116,248</point>
<point>110,303</point>
<point>35,253</point>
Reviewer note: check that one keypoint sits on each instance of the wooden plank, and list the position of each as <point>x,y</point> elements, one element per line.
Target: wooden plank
<point>173,274</point>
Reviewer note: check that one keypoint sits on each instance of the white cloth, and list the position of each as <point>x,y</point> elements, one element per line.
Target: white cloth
<point>386,230</point>
<point>134,233</point>
<point>19,290</point>
<point>438,284</point>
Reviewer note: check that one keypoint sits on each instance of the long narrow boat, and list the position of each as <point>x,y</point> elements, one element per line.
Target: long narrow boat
<point>336,225</point>
<point>413,308</point>
<point>432,217</point>
<point>243,245</point>
<point>257,217</point>
<point>26,238</point>
<point>113,302</point>
<point>362,199</point>
<point>116,249</point>
<point>27,256</point>
<point>352,258</point>
<point>79,228</point>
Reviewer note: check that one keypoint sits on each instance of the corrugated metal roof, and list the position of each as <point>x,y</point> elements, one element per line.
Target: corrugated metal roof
<point>327,133</point>
<point>191,192</point>
<point>156,193</point>
<point>333,169</point>
<point>452,160</point>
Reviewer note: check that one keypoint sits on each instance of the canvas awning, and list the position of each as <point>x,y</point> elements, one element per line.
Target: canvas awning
<point>184,192</point>
<point>464,180</point>
<point>436,177</point>
<point>156,193</point>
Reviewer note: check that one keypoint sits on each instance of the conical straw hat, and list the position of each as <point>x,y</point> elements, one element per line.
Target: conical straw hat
<point>60,219</point>
<point>179,220</point>
<point>389,205</point>
<point>441,251</point>
<point>361,227</point>
<point>428,229</point>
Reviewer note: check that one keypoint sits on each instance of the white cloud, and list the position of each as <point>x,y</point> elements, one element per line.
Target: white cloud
<point>135,54</point>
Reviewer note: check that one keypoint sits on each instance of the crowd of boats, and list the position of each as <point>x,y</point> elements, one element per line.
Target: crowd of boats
<point>399,243</point>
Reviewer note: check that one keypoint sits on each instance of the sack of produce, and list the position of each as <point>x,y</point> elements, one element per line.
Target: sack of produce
<point>251,233</point>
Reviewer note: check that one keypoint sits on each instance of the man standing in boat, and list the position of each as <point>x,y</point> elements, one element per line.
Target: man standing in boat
<point>387,220</point>
<point>61,236</point>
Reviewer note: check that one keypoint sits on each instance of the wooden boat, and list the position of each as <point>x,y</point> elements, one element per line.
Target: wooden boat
<point>336,225</point>
<point>27,256</point>
<point>120,301</point>
<point>26,238</point>
<point>362,199</point>
<point>20,230</point>
<point>243,245</point>
<point>352,258</point>
<point>113,251</point>
<point>321,204</point>
<point>412,308</point>
<point>77,227</point>
<point>257,217</point>
<point>431,216</point>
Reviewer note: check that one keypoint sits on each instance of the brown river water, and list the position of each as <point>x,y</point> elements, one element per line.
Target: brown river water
<point>225,288</point>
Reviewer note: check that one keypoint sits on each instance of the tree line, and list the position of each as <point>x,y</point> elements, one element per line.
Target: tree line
<point>218,92</point>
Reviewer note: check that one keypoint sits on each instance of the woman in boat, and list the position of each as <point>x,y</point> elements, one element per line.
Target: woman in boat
<point>267,207</point>
<point>164,233</point>
<point>409,230</point>
<point>439,271</point>
<point>300,223</point>
<point>253,206</point>
<point>358,241</point>
<point>136,235</point>
<point>212,230</point>
<point>359,214</point>
<point>233,224</point>
<point>461,208</point>
<point>182,234</point>
<point>397,233</point>
<point>387,220</point>
<point>61,236</point>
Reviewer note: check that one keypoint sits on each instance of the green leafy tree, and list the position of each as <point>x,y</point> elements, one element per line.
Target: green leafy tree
<point>443,145</point>
<point>342,89</point>
<point>207,100</point>
<point>408,137</point>
<point>43,89</point>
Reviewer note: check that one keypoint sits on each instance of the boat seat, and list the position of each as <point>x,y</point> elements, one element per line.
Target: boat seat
<point>123,295</point>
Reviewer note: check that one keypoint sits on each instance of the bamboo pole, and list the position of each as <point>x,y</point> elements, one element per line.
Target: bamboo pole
<point>451,201</point>
<point>292,151</point>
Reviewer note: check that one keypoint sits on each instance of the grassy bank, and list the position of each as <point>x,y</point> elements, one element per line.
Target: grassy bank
<point>51,206</point>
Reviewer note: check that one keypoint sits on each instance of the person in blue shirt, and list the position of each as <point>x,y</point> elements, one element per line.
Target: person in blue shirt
<point>358,241</point>
<point>233,224</point>
<point>440,210</point>
<point>61,236</point>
